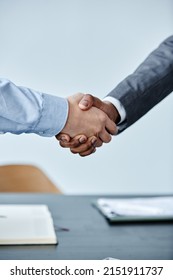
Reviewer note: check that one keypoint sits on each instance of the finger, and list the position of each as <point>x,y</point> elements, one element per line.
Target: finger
<point>89,152</point>
<point>85,147</point>
<point>63,137</point>
<point>66,138</point>
<point>65,144</point>
<point>77,141</point>
<point>111,127</point>
<point>88,101</point>
<point>105,136</point>
<point>98,143</point>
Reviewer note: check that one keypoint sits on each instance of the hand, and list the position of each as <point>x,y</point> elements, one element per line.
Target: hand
<point>80,144</point>
<point>88,101</point>
<point>92,122</point>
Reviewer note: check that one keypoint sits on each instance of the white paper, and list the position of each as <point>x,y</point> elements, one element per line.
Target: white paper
<point>156,206</point>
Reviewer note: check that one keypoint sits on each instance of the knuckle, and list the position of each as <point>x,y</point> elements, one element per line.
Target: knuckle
<point>99,144</point>
<point>75,144</point>
<point>87,153</point>
<point>108,139</point>
<point>88,145</point>
<point>73,151</point>
<point>102,118</point>
<point>82,155</point>
<point>114,130</point>
<point>62,144</point>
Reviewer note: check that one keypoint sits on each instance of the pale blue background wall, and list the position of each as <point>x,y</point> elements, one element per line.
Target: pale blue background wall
<point>61,47</point>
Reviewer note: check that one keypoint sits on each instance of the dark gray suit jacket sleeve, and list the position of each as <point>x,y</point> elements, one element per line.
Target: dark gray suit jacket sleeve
<point>148,85</point>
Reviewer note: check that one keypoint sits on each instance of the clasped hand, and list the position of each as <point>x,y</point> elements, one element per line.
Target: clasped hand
<point>90,123</point>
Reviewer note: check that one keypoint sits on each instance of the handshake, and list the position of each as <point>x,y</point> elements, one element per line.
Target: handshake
<point>90,123</point>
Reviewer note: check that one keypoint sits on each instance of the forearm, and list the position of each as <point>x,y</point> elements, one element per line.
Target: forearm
<point>23,110</point>
<point>148,85</point>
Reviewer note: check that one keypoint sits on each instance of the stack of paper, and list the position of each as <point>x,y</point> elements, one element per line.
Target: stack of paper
<point>26,224</point>
<point>137,209</point>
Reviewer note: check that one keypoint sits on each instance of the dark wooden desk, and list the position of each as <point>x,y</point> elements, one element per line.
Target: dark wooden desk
<point>90,236</point>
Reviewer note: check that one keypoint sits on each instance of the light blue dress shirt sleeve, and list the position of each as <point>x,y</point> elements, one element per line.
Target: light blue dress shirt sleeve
<point>23,110</point>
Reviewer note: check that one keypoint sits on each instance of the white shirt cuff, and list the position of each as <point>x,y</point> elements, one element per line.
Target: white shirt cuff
<point>118,106</point>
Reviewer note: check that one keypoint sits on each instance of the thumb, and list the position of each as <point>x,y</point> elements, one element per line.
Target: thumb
<point>88,101</point>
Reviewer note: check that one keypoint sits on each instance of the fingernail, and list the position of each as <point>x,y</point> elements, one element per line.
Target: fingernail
<point>82,140</point>
<point>93,141</point>
<point>84,103</point>
<point>63,138</point>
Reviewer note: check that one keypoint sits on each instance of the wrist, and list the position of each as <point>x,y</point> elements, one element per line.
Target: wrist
<point>69,121</point>
<point>112,112</point>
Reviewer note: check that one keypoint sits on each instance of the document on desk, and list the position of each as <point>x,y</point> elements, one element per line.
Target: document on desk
<point>136,209</point>
<point>26,224</point>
